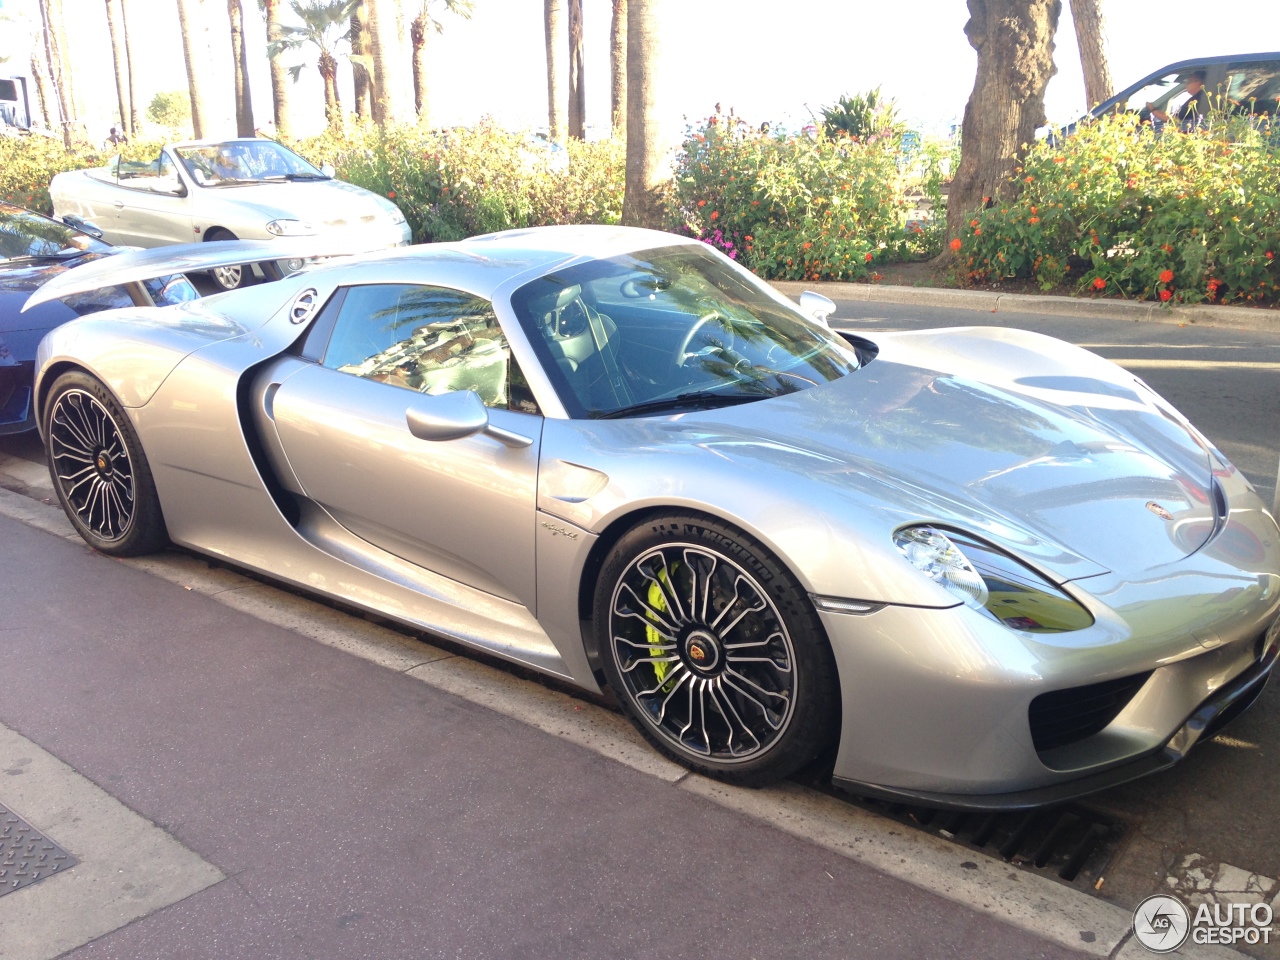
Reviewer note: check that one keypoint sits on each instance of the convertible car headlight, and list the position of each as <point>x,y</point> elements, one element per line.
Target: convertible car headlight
<point>991,581</point>
<point>396,215</point>
<point>290,228</point>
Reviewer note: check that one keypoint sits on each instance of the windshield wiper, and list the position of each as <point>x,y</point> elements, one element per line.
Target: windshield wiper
<point>32,257</point>
<point>295,176</point>
<point>704,399</point>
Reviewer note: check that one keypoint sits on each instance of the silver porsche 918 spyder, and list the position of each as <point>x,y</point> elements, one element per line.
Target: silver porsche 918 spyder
<point>988,568</point>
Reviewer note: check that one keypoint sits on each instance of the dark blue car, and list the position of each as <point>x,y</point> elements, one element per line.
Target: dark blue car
<point>33,250</point>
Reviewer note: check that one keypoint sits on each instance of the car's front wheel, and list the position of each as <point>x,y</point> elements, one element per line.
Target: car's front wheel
<point>228,278</point>
<point>715,650</point>
<point>98,468</point>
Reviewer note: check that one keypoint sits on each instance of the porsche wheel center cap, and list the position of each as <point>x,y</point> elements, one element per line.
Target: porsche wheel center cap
<point>103,463</point>
<point>702,651</point>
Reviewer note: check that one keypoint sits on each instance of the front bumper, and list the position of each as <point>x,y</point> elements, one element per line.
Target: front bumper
<point>17,412</point>
<point>937,703</point>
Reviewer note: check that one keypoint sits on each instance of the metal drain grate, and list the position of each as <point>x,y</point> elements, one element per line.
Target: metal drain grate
<point>26,855</point>
<point>1070,841</point>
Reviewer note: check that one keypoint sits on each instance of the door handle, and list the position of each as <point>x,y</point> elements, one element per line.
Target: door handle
<point>119,204</point>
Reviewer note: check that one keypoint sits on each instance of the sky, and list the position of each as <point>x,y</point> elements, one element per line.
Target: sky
<point>767,60</point>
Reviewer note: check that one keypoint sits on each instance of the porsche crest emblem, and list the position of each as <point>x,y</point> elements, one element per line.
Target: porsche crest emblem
<point>1159,511</point>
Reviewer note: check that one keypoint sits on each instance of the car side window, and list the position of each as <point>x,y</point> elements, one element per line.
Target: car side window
<point>429,340</point>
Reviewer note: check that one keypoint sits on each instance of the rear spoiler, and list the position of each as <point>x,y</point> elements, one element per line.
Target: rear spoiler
<point>138,265</point>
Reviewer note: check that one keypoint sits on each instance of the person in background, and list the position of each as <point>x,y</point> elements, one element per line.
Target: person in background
<point>1194,110</point>
<point>115,138</point>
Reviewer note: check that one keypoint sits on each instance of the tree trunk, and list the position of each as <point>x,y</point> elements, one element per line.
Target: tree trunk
<point>116,29</point>
<point>418,38</point>
<point>328,68</point>
<point>618,71</point>
<point>240,71</point>
<point>279,78</point>
<point>45,100</point>
<point>50,11</point>
<point>553,23</point>
<point>134,124</point>
<point>1091,35</point>
<point>1014,40</point>
<point>359,69</point>
<point>642,204</point>
<point>390,103</point>
<point>196,55</point>
<point>577,87</point>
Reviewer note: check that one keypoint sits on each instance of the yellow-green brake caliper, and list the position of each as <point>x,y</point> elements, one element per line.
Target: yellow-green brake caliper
<point>659,602</point>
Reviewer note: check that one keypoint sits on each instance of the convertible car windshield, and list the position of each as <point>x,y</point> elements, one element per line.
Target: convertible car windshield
<point>667,330</point>
<point>243,161</point>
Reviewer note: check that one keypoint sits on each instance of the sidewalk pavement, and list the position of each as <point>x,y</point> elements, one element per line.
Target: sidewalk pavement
<point>1243,318</point>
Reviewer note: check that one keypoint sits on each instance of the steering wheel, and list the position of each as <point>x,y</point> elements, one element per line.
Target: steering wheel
<point>682,352</point>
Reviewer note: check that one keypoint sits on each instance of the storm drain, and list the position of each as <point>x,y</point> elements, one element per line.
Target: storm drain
<point>26,855</point>
<point>1073,842</point>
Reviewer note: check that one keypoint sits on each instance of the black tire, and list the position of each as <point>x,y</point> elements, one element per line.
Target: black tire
<point>741,685</point>
<point>228,278</point>
<point>98,469</point>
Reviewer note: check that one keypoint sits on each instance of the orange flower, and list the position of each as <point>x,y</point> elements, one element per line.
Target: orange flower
<point>956,244</point>
<point>1034,210</point>
<point>1072,185</point>
<point>973,223</point>
<point>1028,178</point>
<point>748,238</point>
<point>1034,219</point>
<point>1166,276</point>
<point>806,245</point>
<point>1166,248</point>
<point>868,257</point>
<point>1270,255</point>
<point>391,194</point>
<point>1099,283</point>
<point>715,214</point>
<point>1165,294</point>
<point>1059,159</point>
<point>977,231</point>
<point>702,203</point>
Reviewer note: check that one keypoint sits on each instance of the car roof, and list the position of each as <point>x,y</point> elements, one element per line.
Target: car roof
<point>1180,66</point>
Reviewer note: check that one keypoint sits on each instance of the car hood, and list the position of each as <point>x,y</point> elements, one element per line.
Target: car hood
<point>331,204</point>
<point>1004,433</point>
<point>21,331</point>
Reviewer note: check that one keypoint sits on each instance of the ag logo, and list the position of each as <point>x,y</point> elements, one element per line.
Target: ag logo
<point>1161,923</point>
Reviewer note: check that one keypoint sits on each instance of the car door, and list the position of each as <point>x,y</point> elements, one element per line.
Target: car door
<point>462,508</point>
<point>153,206</point>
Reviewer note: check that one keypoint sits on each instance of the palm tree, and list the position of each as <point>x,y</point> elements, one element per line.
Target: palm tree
<point>115,26</point>
<point>190,19</point>
<point>128,60</point>
<point>391,103</point>
<point>577,85</point>
<point>618,71</point>
<point>320,18</point>
<point>55,45</point>
<point>422,25</point>
<point>240,70</point>
<point>642,200</point>
<point>279,89</point>
<point>361,62</point>
<point>557,120</point>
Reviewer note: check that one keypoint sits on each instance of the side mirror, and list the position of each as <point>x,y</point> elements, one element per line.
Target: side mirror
<point>84,226</point>
<point>169,186</point>
<point>455,415</point>
<point>328,170</point>
<point>817,306</point>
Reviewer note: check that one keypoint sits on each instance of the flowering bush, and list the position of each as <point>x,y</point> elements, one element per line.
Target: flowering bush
<point>1117,208</point>
<point>463,182</point>
<point>804,207</point>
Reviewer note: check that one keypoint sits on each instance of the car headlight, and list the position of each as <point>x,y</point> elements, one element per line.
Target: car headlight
<point>991,581</point>
<point>290,228</point>
<point>396,215</point>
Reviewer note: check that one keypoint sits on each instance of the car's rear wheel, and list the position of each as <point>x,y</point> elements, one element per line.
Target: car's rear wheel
<point>227,278</point>
<point>715,650</point>
<point>99,470</point>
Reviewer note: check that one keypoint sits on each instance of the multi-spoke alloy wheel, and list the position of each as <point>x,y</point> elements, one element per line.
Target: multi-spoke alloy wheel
<point>91,464</point>
<point>228,278</point>
<point>721,671</point>
<point>98,468</point>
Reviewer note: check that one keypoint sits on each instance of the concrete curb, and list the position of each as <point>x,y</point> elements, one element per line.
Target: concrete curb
<point>1025,900</point>
<point>1240,318</point>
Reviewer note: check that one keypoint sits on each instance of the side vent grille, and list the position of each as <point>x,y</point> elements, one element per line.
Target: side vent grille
<point>1066,716</point>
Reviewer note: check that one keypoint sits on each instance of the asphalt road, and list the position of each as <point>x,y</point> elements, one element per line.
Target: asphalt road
<point>1226,381</point>
<point>357,812</point>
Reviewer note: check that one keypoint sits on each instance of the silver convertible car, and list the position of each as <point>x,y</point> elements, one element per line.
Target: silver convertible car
<point>226,190</point>
<point>987,568</point>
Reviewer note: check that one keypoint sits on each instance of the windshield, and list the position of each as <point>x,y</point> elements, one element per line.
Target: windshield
<point>670,329</point>
<point>26,235</point>
<point>245,161</point>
